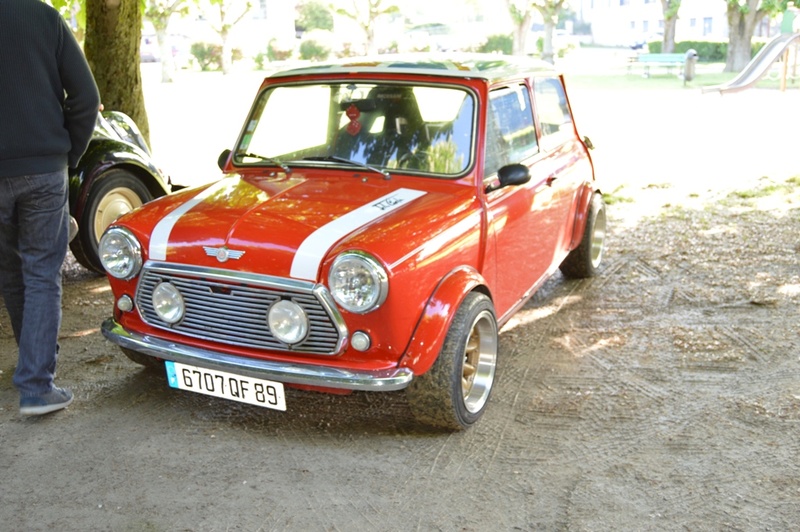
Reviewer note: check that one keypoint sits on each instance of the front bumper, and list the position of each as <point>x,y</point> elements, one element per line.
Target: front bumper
<point>320,376</point>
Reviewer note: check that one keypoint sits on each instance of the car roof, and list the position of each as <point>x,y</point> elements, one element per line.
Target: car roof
<point>491,67</point>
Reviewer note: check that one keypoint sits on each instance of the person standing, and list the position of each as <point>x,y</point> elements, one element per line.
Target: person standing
<point>48,108</point>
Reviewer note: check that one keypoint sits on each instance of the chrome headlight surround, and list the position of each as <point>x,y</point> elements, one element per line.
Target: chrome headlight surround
<point>358,282</point>
<point>120,253</point>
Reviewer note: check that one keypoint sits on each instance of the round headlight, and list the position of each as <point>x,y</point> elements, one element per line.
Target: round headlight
<point>120,253</point>
<point>168,303</point>
<point>358,282</point>
<point>287,321</point>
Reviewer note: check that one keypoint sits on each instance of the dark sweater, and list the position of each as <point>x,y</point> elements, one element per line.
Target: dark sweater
<point>48,97</point>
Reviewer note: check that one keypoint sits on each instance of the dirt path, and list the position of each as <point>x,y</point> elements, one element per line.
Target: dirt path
<point>662,395</point>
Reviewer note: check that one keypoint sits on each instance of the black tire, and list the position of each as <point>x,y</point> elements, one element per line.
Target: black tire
<point>584,261</point>
<point>116,192</point>
<point>454,393</point>
<point>150,363</point>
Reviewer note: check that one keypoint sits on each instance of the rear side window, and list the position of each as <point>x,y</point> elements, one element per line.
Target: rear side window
<point>510,133</point>
<point>551,106</point>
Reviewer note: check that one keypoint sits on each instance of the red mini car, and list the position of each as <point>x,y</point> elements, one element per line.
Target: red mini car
<point>379,221</point>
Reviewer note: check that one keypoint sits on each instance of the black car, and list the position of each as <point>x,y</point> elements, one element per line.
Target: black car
<point>114,176</point>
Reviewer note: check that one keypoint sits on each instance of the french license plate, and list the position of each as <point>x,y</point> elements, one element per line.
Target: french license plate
<point>225,385</point>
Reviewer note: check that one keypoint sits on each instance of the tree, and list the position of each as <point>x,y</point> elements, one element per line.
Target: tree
<point>223,15</point>
<point>158,12</point>
<point>364,13</point>
<point>522,18</point>
<point>113,32</point>
<point>670,10</point>
<point>313,15</point>
<point>743,17</point>
<point>521,11</point>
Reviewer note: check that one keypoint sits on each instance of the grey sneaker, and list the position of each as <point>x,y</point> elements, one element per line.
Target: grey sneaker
<point>55,399</point>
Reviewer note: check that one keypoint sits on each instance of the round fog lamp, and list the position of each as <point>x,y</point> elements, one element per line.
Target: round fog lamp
<point>168,303</point>
<point>125,303</point>
<point>287,322</point>
<point>360,341</point>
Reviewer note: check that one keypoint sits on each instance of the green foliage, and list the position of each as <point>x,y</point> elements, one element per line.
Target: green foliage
<point>312,50</point>
<point>559,50</point>
<point>314,15</point>
<point>276,53</point>
<point>707,51</point>
<point>498,43</point>
<point>209,56</point>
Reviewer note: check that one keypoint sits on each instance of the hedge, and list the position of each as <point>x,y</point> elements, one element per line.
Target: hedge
<point>707,51</point>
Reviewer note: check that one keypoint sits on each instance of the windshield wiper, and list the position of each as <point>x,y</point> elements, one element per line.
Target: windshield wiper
<point>272,160</point>
<point>334,158</point>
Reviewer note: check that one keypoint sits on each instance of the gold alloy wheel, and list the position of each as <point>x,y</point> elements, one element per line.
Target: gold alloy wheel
<point>480,362</point>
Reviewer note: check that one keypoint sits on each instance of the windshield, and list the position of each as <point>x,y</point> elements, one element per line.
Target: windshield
<point>422,129</point>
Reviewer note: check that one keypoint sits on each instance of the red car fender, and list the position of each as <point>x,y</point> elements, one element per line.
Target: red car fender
<point>429,335</point>
<point>579,226</point>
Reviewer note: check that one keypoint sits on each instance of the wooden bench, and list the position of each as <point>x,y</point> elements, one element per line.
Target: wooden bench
<point>647,59</point>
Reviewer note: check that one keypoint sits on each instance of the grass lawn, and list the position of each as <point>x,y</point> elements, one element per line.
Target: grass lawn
<point>706,75</point>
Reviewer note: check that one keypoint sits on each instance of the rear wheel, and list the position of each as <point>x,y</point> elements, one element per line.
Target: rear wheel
<point>117,192</point>
<point>584,261</point>
<point>453,394</point>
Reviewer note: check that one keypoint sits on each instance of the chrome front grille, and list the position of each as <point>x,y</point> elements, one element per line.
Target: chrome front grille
<point>231,307</point>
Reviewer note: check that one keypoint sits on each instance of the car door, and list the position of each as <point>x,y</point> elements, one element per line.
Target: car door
<point>519,217</point>
<point>564,161</point>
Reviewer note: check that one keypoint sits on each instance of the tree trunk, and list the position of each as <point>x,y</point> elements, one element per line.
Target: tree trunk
<point>113,32</point>
<point>547,45</point>
<point>521,32</point>
<point>741,27</point>
<point>668,43</point>
<point>669,8</point>
<point>227,51</point>
<point>165,51</point>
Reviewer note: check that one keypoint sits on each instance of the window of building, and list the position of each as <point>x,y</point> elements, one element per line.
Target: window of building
<point>707,28</point>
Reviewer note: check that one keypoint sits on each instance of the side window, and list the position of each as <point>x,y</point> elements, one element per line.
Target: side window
<point>510,133</point>
<point>551,106</point>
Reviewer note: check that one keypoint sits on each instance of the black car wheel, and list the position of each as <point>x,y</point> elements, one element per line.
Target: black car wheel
<point>453,394</point>
<point>117,192</point>
<point>149,363</point>
<point>584,260</point>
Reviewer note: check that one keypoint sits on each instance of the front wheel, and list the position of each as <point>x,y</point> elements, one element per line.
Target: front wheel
<point>584,261</point>
<point>116,193</point>
<point>149,363</point>
<point>453,394</point>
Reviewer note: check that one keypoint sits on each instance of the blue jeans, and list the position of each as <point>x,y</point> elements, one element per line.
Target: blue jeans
<point>34,227</point>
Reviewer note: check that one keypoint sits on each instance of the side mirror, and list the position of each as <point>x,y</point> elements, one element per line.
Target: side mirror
<point>588,142</point>
<point>511,175</point>
<point>223,158</point>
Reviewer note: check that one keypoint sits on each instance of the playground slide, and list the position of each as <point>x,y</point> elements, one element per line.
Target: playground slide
<point>758,66</point>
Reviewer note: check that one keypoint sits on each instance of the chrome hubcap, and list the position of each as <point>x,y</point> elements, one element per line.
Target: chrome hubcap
<point>117,202</point>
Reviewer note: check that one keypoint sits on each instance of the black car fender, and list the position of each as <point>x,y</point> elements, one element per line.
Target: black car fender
<point>102,155</point>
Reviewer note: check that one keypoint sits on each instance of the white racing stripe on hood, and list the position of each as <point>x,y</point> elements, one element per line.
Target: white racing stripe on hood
<point>160,236</point>
<point>314,248</point>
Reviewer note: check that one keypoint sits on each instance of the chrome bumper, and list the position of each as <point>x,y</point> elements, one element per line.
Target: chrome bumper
<point>323,376</point>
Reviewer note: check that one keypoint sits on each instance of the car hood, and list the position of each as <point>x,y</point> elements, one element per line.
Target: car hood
<point>283,227</point>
